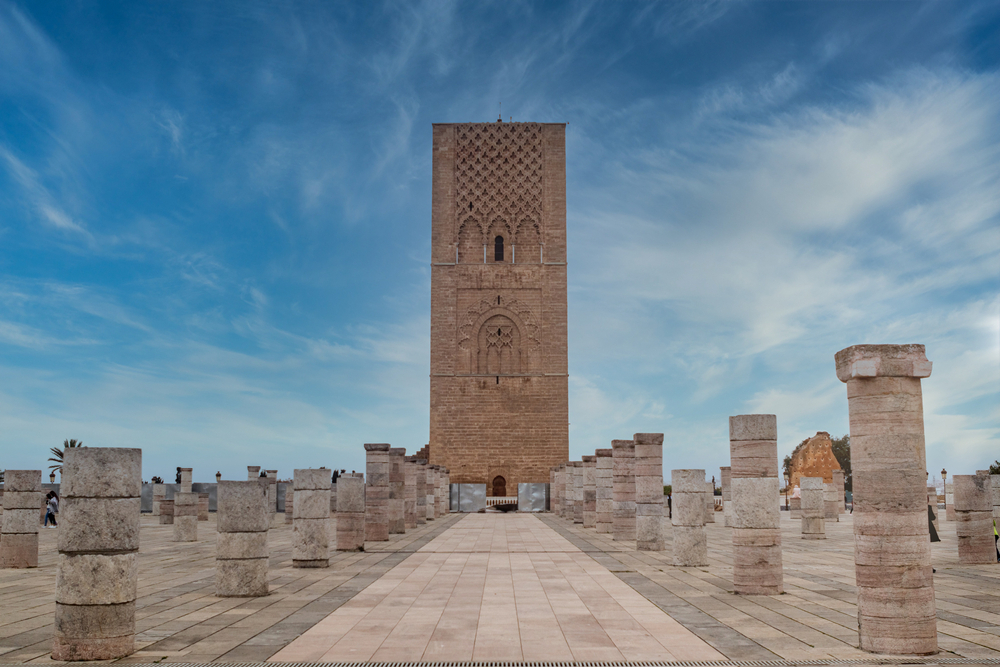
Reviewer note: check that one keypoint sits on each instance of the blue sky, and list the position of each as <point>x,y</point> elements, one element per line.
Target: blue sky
<point>215,217</point>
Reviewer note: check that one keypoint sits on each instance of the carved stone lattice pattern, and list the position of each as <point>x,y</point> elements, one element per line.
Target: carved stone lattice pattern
<point>503,337</point>
<point>498,180</point>
<point>467,332</point>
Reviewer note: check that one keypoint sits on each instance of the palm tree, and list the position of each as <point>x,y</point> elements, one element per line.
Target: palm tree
<point>58,453</point>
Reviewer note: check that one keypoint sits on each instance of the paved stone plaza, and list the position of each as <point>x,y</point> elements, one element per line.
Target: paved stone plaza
<point>504,587</point>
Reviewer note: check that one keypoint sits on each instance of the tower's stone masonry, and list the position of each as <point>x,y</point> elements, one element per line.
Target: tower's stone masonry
<point>499,383</point>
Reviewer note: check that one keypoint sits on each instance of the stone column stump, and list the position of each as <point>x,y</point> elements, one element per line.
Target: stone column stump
<point>186,479</point>
<point>709,503</point>
<point>159,493</point>
<point>19,530</point>
<point>442,491</point>
<point>290,503</point>
<point>753,450</point>
<point>185,516</point>
<point>623,490</point>
<point>589,491</point>
<point>648,491</point>
<point>241,552</point>
<point>813,509</point>
<point>421,468</point>
<point>688,520</point>
<point>167,512</point>
<point>351,514</point>
<point>577,481</point>
<point>397,491</point>
<point>604,475</point>
<point>410,493</point>
<point>727,495</point>
<point>838,483</point>
<point>377,493</point>
<point>892,551</point>
<point>310,537</point>
<point>830,510</point>
<point>202,507</point>
<point>949,501</point>
<point>974,520</point>
<point>97,575</point>
<point>253,474</point>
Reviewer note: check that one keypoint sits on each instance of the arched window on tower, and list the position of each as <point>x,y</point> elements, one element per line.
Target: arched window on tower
<point>498,249</point>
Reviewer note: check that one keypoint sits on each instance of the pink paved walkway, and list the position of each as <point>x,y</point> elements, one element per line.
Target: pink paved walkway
<point>498,587</point>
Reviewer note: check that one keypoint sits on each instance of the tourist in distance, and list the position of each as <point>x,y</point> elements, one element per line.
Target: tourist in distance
<point>51,507</point>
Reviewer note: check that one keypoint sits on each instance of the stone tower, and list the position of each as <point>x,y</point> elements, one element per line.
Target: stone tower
<point>499,382</point>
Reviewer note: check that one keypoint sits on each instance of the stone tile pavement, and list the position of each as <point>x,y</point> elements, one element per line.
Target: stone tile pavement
<point>503,587</point>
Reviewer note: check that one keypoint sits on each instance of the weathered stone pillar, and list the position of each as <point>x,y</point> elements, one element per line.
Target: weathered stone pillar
<point>97,575</point>
<point>410,493</point>
<point>830,511</point>
<point>159,493</point>
<point>272,492</point>
<point>167,512</point>
<point>185,516</point>
<point>949,501</point>
<point>310,537</point>
<point>19,532</point>
<point>727,495</point>
<point>444,478</point>
<point>241,553</point>
<point>813,508</point>
<point>350,513</point>
<point>421,467</point>
<point>203,507</point>
<point>688,518</point>
<point>892,554</point>
<point>566,489</point>
<point>186,479</point>
<point>795,506</point>
<point>753,450</point>
<point>430,503</point>
<point>577,492</point>
<point>995,497</point>
<point>397,491</point>
<point>377,493</point>
<point>838,484</point>
<point>589,491</point>
<point>974,520</point>
<point>623,490</point>
<point>253,473</point>
<point>605,490</point>
<point>290,503</point>
<point>561,489</point>
<point>648,491</point>
<point>709,502</point>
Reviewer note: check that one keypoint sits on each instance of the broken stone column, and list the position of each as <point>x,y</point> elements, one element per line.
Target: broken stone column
<point>648,491</point>
<point>290,503</point>
<point>253,473</point>
<point>813,508</point>
<point>974,520</point>
<point>310,538</point>
<point>186,479</point>
<point>753,451</point>
<point>830,511</point>
<point>397,491</point>
<point>688,518</point>
<point>377,493</point>
<point>203,507</point>
<point>838,484</point>
<point>949,501</point>
<point>241,552</point>
<point>167,512</point>
<point>623,490</point>
<point>589,491</point>
<point>709,502</point>
<point>272,492</point>
<point>97,575</point>
<point>605,492</point>
<point>561,488</point>
<point>19,531</point>
<point>421,468</point>
<point>350,513</point>
<point>795,506</point>
<point>410,493</point>
<point>442,491</point>
<point>892,554</point>
<point>577,481</point>
<point>727,495</point>
<point>159,493</point>
<point>185,516</point>
<point>429,503</point>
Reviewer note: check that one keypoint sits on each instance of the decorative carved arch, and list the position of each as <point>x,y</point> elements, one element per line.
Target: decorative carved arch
<point>525,331</point>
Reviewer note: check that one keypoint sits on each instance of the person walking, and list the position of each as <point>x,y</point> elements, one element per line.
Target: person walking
<point>51,508</point>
